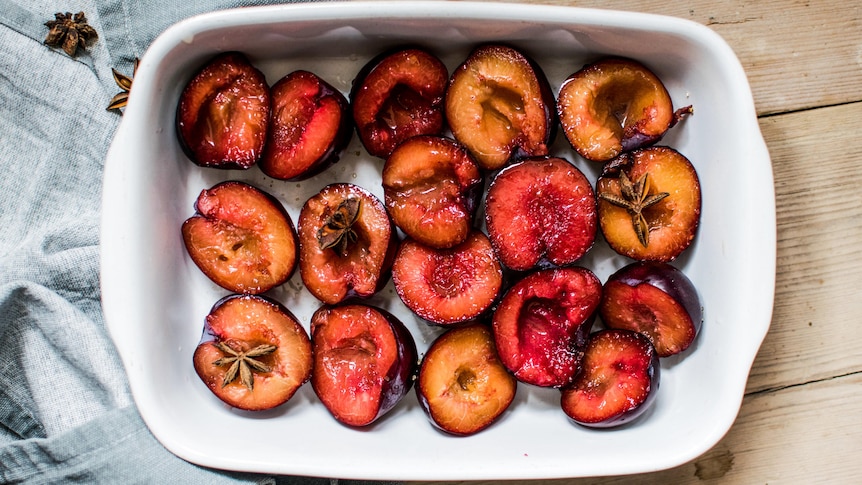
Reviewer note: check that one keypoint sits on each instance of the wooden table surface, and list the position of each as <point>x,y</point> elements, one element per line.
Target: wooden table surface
<point>801,418</point>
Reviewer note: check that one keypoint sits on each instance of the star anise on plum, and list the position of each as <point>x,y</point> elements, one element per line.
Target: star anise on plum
<point>125,83</point>
<point>635,199</point>
<point>243,363</point>
<point>69,32</point>
<point>338,232</point>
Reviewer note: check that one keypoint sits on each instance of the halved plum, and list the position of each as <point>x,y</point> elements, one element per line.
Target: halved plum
<point>223,113</point>
<point>499,105</point>
<point>309,129</point>
<point>448,286</point>
<point>346,243</point>
<point>541,212</point>
<point>462,386</point>
<point>542,324</point>
<point>657,300</point>
<point>241,237</point>
<point>253,354</point>
<point>615,105</point>
<point>398,95</point>
<point>617,383</point>
<point>649,203</point>
<point>431,188</point>
<point>365,361</point>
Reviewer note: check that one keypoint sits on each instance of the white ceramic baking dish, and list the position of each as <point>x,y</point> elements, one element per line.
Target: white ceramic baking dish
<point>155,299</point>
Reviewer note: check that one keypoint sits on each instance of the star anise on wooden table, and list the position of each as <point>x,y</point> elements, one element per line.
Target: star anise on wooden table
<point>69,32</point>
<point>243,363</point>
<point>125,83</point>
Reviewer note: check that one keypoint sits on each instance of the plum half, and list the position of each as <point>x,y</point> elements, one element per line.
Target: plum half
<point>223,113</point>
<point>541,212</point>
<point>500,106</point>
<point>657,300</point>
<point>462,386</point>
<point>542,324</point>
<point>617,383</point>
<point>398,95</point>
<point>254,354</point>
<point>365,361</point>
<point>241,237</point>
<point>649,203</point>
<point>346,243</point>
<point>614,105</point>
<point>431,188</point>
<point>448,286</point>
<point>309,127</point>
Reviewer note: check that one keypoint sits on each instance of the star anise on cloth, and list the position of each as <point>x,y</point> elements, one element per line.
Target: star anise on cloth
<point>125,83</point>
<point>69,32</point>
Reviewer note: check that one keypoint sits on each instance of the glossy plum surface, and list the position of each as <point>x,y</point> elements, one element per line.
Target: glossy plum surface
<point>309,128</point>
<point>657,300</point>
<point>541,211</point>
<point>223,113</point>
<point>448,286</point>
<point>365,362</point>
<point>618,380</point>
<point>462,386</point>
<point>542,324</point>
<point>613,105</point>
<point>500,106</point>
<point>265,331</point>
<point>347,243</point>
<point>431,188</point>
<point>398,95</point>
<point>241,237</point>
<point>669,225</point>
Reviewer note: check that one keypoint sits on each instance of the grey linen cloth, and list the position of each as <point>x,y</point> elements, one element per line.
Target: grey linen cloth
<point>66,412</point>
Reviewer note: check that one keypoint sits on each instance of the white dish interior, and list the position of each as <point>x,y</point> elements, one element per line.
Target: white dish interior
<point>155,299</point>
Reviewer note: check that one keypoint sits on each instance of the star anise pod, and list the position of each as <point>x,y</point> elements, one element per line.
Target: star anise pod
<point>125,83</point>
<point>635,198</point>
<point>69,32</point>
<point>243,363</point>
<point>338,232</point>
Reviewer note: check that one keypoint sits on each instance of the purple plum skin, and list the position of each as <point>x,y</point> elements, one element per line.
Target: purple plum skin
<point>667,278</point>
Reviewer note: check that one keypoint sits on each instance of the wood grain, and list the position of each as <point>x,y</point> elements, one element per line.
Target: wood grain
<point>815,332</point>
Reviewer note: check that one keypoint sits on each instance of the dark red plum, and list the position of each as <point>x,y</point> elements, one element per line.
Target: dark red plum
<point>657,300</point>
<point>309,128</point>
<point>618,380</point>
<point>541,212</point>
<point>365,361</point>
<point>448,286</point>
<point>223,113</point>
<point>398,95</point>
<point>542,323</point>
<point>346,243</point>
